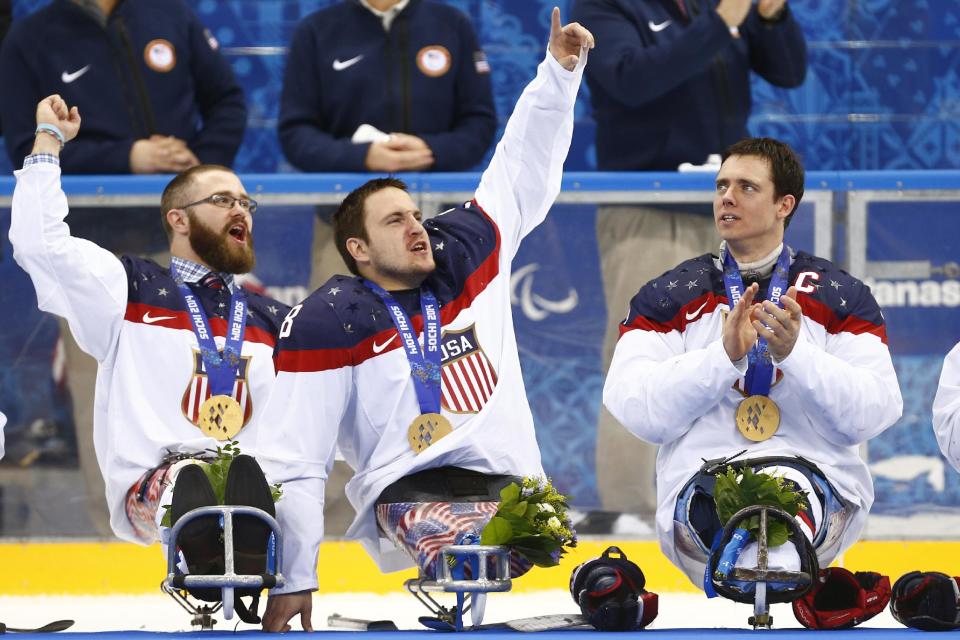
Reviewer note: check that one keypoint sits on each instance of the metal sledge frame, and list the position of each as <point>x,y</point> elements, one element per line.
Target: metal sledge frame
<point>761,575</point>
<point>176,583</point>
<point>471,594</point>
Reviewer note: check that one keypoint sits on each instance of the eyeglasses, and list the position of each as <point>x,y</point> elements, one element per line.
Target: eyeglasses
<point>224,201</point>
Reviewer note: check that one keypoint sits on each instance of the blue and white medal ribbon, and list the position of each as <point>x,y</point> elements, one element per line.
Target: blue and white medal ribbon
<point>425,365</point>
<point>758,417</point>
<point>221,416</point>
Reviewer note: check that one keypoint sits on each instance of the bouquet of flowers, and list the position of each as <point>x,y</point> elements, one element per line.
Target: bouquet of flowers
<point>734,492</point>
<point>532,520</point>
<point>216,472</point>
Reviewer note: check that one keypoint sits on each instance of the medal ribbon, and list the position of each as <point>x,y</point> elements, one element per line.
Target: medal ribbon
<point>221,367</point>
<point>424,365</point>
<point>759,365</point>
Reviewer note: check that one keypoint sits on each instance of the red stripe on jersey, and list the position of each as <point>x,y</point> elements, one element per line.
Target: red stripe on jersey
<point>480,379</point>
<point>824,315</point>
<point>457,374</point>
<point>478,280</point>
<point>160,317</point>
<point>323,359</point>
<point>307,360</point>
<point>645,324</point>
<point>450,400</point>
<point>687,314</point>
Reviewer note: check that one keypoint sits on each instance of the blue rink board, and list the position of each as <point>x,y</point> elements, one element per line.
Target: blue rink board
<point>680,634</point>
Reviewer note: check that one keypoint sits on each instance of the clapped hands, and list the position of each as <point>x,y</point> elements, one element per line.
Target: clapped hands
<point>749,321</point>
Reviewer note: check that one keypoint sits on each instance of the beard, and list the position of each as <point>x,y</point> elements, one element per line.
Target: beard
<point>217,249</point>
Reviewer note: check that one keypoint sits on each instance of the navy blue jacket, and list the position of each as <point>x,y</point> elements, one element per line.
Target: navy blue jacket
<point>192,95</point>
<point>667,89</point>
<point>344,70</point>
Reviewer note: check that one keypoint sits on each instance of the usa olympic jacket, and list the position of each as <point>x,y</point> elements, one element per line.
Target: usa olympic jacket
<point>152,68</point>
<point>946,408</point>
<point>667,89</point>
<point>341,369</point>
<point>427,77</point>
<point>128,314</point>
<point>672,384</point>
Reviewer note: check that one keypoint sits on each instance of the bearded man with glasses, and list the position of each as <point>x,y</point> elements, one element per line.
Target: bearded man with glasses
<point>185,356</point>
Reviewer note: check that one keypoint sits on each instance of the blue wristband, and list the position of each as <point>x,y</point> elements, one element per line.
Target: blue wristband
<point>52,130</point>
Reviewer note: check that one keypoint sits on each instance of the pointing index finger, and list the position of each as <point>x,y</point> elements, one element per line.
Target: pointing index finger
<point>555,23</point>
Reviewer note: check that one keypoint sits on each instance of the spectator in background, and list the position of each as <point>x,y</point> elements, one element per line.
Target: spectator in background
<point>158,97</point>
<point>669,84</point>
<point>384,86</point>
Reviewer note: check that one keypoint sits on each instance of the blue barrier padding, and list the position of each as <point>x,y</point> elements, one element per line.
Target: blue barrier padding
<point>116,185</point>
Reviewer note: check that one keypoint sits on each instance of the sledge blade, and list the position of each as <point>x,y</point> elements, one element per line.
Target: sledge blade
<point>56,625</point>
<point>341,622</point>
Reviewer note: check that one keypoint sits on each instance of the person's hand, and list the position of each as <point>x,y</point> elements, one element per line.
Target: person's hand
<point>739,335</point>
<point>383,158</point>
<point>734,12</point>
<point>770,9</point>
<point>779,327</point>
<point>161,154</point>
<point>53,110</point>
<point>406,142</point>
<point>567,43</point>
<point>281,609</point>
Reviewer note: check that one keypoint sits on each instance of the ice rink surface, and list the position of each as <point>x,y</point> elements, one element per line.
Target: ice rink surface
<point>160,613</point>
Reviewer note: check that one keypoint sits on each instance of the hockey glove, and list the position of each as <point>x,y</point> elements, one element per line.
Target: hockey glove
<point>610,593</point>
<point>840,599</point>
<point>929,601</point>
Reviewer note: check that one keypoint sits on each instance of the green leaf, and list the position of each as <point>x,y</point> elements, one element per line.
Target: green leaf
<point>497,531</point>
<point>733,493</point>
<point>519,509</point>
<point>510,493</point>
<point>777,533</point>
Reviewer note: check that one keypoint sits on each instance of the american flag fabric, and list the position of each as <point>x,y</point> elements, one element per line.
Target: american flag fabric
<point>142,515</point>
<point>422,529</point>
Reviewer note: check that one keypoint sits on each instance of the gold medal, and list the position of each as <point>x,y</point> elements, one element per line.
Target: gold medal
<point>758,418</point>
<point>221,417</point>
<point>426,429</point>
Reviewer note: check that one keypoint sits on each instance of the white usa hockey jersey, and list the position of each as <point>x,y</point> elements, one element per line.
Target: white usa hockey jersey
<point>341,369</point>
<point>672,384</point>
<point>946,408</point>
<point>128,314</point>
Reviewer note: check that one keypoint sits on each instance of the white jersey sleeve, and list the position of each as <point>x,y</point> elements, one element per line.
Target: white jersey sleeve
<point>73,278</point>
<point>851,386</point>
<point>946,408</point>
<point>307,404</point>
<point>657,390</point>
<point>3,423</point>
<point>522,180</point>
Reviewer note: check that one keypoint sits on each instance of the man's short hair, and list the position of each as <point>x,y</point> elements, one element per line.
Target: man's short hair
<point>786,169</point>
<point>349,221</point>
<point>177,192</point>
